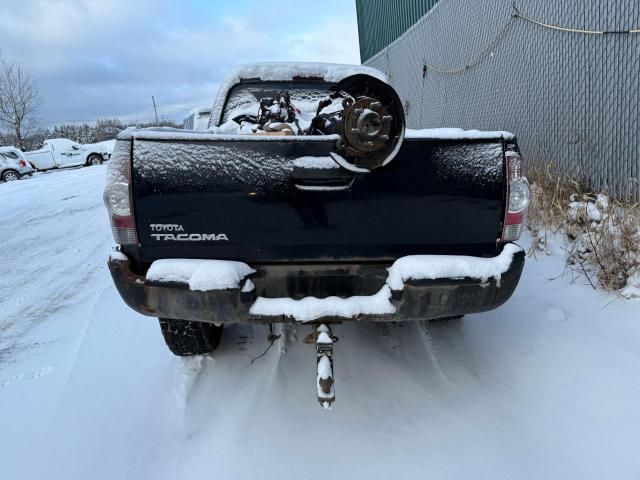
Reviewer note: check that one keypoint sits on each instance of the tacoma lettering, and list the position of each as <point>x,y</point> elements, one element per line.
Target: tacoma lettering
<point>190,237</point>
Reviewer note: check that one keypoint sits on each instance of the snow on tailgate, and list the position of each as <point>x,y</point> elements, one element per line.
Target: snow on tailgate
<point>321,163</point>
<point>457,134</point>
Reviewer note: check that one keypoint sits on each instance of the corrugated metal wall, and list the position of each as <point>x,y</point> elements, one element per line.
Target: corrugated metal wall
<point>570,98</point>
<point>380,22</point>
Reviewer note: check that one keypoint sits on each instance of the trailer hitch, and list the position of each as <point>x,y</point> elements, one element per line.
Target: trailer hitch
<point>324,340</point>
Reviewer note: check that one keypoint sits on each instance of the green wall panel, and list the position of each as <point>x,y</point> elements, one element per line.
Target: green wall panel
<point>380,22</point>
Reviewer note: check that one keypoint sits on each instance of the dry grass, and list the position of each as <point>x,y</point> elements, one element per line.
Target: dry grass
<point>551,193</point>
<point>603,234</point>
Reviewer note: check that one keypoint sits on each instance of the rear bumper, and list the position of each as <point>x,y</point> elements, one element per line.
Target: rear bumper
<point>419,300</point>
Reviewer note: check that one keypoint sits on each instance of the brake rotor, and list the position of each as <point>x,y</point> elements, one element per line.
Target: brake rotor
<point>367,126</point>
<point>372,126</point>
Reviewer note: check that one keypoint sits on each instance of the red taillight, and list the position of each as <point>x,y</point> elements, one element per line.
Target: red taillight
<point>22,163</point>
<point>518,197</point>
<point>117,195</point>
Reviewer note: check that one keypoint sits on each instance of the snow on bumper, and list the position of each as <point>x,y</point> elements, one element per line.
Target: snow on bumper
<point>203,275</point>
<point>414,288</point>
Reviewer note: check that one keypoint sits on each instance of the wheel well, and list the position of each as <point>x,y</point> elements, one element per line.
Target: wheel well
<point>9,170</point>
<point>93,154</point>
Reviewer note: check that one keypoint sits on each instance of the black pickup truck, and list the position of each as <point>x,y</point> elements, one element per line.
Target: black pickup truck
<point>307,200</point>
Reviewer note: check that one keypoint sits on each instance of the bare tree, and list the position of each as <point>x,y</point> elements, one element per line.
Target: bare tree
<point>19,101</point>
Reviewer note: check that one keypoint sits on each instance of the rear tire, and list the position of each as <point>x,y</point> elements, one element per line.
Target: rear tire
<point>10,176</point>
<point>94,160</point>
<point>185,337</point>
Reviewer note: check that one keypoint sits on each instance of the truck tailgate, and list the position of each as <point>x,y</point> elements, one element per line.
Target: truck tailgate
<point>231,198</point>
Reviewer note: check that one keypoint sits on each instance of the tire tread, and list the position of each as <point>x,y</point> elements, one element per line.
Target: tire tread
<point>185,337</point>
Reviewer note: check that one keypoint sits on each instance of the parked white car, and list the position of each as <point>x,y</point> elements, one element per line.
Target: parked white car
<point>198,119</point>
<point>13,164</point>
<point>62,152</point>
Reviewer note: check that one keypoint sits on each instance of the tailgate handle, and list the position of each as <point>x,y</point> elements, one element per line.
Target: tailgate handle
<point>322,179</point>
<point>325,187</point>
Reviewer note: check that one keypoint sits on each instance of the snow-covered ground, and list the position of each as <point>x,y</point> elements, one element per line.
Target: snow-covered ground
<point>547,386</point>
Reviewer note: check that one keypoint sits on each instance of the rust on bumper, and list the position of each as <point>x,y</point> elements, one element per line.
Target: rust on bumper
<point>419,300</point>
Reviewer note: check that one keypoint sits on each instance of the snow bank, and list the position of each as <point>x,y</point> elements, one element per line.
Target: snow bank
<point>632,289</point>
<point>457,134</point>
<point>312,308</point>
<point>582,211</point>
<point>589,210</point>
<point>432,267</point>
<point>200,275</point>
<point>315,162</point>
<point>599,239</point>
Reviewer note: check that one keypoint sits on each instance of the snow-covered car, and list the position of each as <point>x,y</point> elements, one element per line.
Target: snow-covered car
<point>198,119</point>
<point>62,152</point>
<point>13,164</point>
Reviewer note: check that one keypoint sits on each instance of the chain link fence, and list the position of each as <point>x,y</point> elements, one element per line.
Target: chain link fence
<point>572,98</point>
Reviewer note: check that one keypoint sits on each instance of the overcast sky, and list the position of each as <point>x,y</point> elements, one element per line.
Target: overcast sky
<point>105,58</point>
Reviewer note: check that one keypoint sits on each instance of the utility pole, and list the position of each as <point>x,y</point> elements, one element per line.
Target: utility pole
<point>155,110</point>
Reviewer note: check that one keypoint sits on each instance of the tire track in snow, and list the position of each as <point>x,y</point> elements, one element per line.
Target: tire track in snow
<point>52,225</point>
